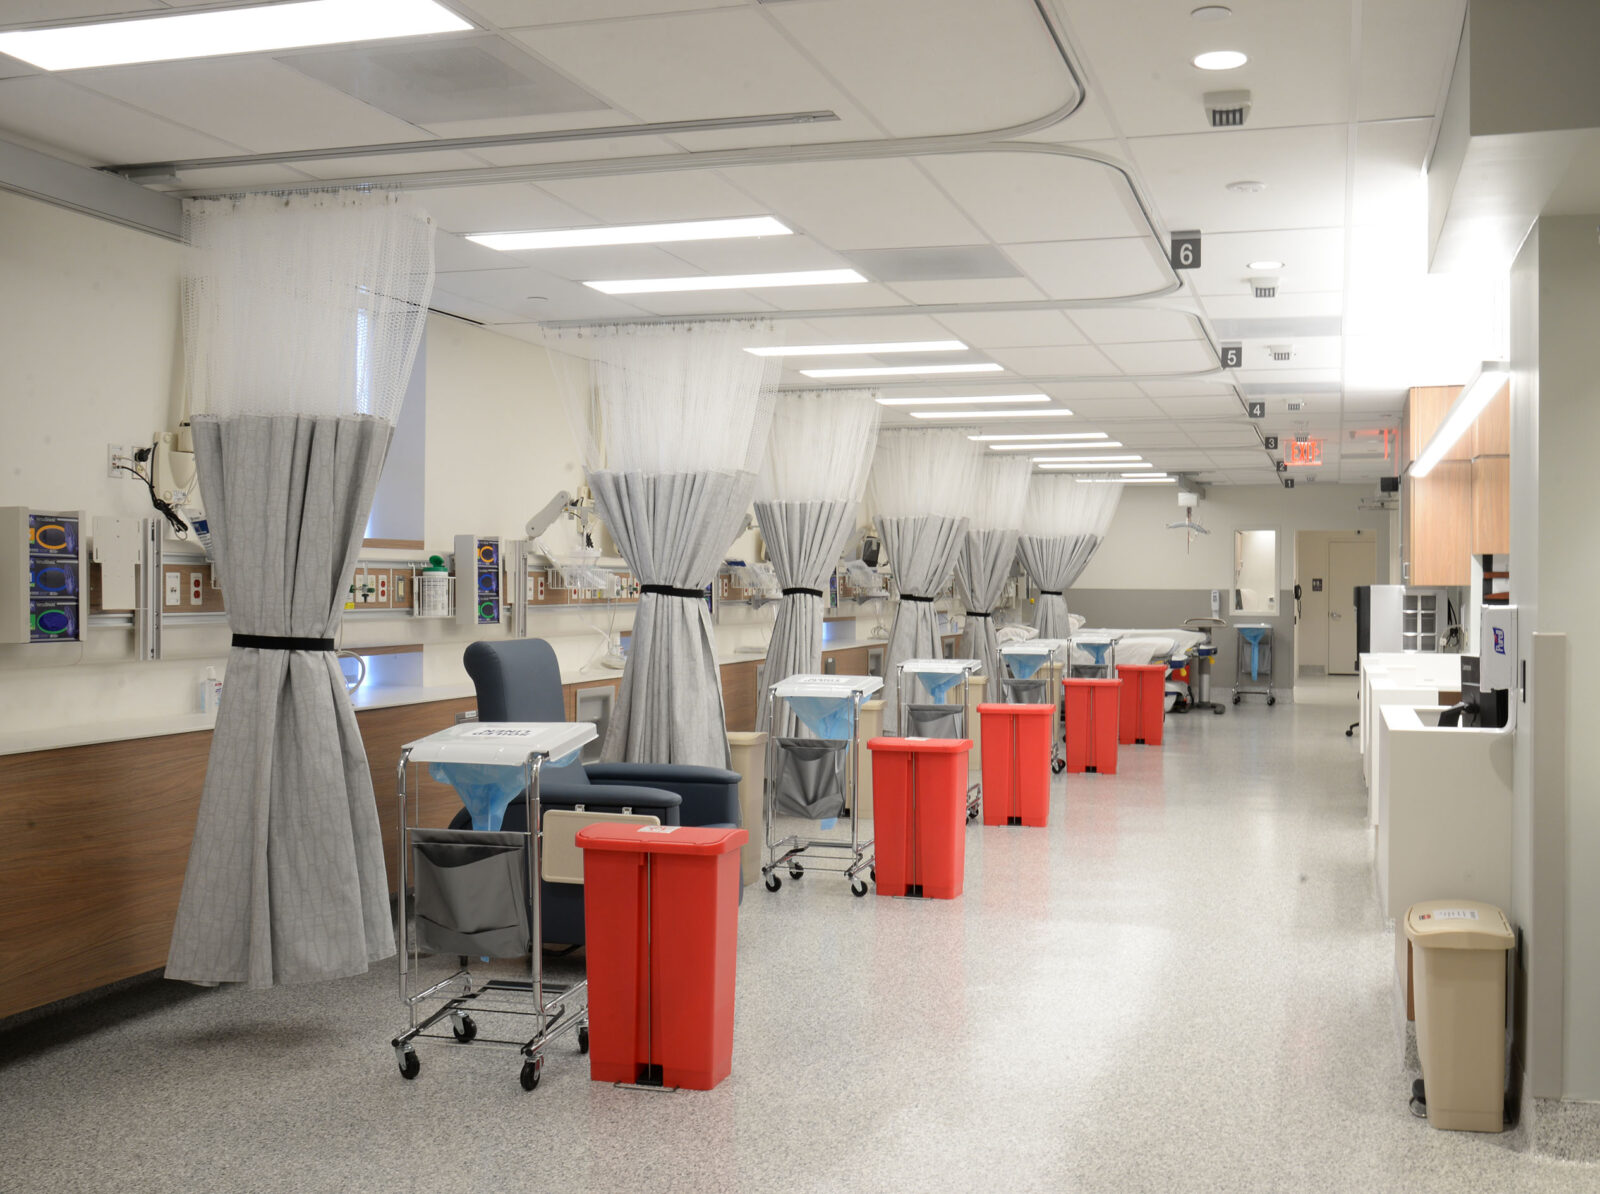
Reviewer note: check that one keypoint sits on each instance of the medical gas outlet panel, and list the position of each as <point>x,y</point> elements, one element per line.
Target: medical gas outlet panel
<point>478,575</point>
<point>44,592</point>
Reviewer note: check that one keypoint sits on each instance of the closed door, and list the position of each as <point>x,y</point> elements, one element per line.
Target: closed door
<point>1349,564</point>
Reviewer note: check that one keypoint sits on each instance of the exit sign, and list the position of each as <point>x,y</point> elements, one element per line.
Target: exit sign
<point>1305,452</point>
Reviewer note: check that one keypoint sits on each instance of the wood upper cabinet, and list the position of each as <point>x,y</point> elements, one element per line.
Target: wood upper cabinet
<point>1426,407</point>
<point>1491,431</point>
<point>1438,525</point>
<point>1491,505</point>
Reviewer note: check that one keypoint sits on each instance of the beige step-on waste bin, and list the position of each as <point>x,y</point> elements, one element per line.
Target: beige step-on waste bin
<point>748,751</point>
<point>1459,982</point>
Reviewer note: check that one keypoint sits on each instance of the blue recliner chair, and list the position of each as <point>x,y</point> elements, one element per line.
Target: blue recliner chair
<point>521,681</point>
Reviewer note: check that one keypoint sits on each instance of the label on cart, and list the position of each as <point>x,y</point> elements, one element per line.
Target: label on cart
<point>493,733</point>
<point>1450,914</point>
<point>659,828</point>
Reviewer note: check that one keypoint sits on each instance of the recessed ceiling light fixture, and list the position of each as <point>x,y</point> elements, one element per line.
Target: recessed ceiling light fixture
<point>228,31</point>
<point>1042,435</point>
<point>1130,479</point>
<point>1125,461</point>
<point>805,277</point>
<point>992,399</point>
<point>631,234</point>
<point>985,415</point>
<point>839,350</point>
<point>1067,468</point>
<point>1264,265</point>
<point>1221,60</point>
<point>1064,446</point>
<point>1247,186</point>
<point>906,370</point>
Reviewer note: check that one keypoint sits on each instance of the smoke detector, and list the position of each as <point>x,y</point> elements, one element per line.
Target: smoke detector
<point>1226,109</point>
<point>1280,352</point>
<point>1264,287</point>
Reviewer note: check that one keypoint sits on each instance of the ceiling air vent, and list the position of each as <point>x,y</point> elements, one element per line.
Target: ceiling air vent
<point>1227,109</point>
<point>1264,287</point>
<point>1280,352</point>
<point>1293,406</point>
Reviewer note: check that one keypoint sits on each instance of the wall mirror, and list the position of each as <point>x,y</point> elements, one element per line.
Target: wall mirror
<point>1255,572</point>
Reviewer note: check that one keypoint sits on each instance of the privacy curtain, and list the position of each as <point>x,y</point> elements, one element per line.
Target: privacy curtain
<point>302,316</point>
<point>1053,563</point>
<point>1064,521</point>
<point>995,511</point>
<point>672,419</point>
<point>818,453</point>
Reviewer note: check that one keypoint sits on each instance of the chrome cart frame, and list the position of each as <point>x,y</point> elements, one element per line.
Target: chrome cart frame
<point>849,858</point>
<point>942,667</point>
<point>1264,645</point>
<point>529,745</point>
<point>1107,667</point>
<point>1055,686</point>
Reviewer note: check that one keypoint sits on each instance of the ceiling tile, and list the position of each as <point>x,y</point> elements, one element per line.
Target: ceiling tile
<point>1062,361</point>
<point>1182,356</point>
<point>652,198</point>
<point>54,112</point>
<point>1100,269</point>
<point>1125,325</point>
<point>1222,437</point>
<point>935,66</point>
<point>1012,329</point>
<point>865,329</point>
<point>1037,197</point>
<point>498,207</point>
<point>1288,305</point>
<point>859,204</point>
<point>1407,53</point>
<point>766,254</point>
<point>1074,392</point>
<point>252,101</point>
<point>510,14</point>
<point>1186,389</point>
<point>1199,407</point>
<point>975,291</point>
<point>1313,261</point>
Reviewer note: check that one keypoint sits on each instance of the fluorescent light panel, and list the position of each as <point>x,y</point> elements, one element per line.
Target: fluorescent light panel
<point>228,31</point>
<point>633,234</point>
<point>839,350</point>
<point>806,277</point>
<point>1057,413</point>
<point>1474,396</point>
<point>1126,460</point>
<point>1110,443</point>
<point>1125,479</point>
<point>906,370</point>
<point>1042,435</point>
<point>980,399</point>
<point>1087,467</point>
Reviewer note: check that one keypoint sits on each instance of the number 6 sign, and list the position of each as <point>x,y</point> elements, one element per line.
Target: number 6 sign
<point>1185,253</point>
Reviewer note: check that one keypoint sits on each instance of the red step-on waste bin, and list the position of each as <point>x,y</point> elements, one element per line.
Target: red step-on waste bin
<point>1144,703</point>
<point>1092,713</point>
<point>1016,763</point>
<point>919,810</point>
<point>661,909</point>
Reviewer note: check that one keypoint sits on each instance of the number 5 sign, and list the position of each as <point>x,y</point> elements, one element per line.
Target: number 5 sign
<point>1185,253</point>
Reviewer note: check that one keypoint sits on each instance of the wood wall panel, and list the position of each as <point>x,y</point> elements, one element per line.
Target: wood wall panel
<point>848,661</point>
<point>94,841</point>
<point>739,681</point>
<point>1491,505</point>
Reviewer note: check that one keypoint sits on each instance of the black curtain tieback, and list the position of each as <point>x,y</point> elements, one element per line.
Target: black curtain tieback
<point>282,642</point>
<point>799,592</point>
<point>1050,592</point>
<point>914,597</point>
<point>974,613</point>
<point>669,591</point>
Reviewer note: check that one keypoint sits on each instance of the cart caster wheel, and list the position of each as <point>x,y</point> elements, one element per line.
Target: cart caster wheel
<point>874,874</point>
<point>858,888</point>
<point>795,871</point>
<point>773,883</point>
<point>465,1028</point>
<point>1218,710</point>
<point>1271,700</point>
<point>410,1067</point>
<point>583,1039</point>
<point>1057,766</point>
<point>531,1070</point>
<point>1236,700</point>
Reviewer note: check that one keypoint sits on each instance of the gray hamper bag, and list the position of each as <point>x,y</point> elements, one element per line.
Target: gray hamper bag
<point>1032,691</point>
<point>810,779</point>
<point>471,892</point>
<point>936,721</point>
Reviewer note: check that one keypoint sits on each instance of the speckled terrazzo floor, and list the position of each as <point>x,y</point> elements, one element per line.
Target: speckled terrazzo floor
<point>1182,984</point>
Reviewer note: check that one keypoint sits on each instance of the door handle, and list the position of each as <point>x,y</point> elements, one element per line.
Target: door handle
<point>1334,614</point>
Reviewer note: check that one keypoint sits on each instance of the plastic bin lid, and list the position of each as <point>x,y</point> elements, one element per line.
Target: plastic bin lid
<point>1141,667</point>
<point>501,743</point>
<point>803,685</point>
<point>1086,681</point>
<point>927,746</point>
<point>1000,710</point>
<point>661,839</point>
<point>1458,924</point>
<point>1034,646</point>
<point>936,667</point>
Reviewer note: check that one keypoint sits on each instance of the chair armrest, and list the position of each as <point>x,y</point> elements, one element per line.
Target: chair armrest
<point>612,798</point>
<point>710,795</point>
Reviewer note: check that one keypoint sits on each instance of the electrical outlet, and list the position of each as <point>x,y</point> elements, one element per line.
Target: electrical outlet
<point>116,454</point>
<point>197,588</point>
<point>174,589</point>
<point>383,588</point>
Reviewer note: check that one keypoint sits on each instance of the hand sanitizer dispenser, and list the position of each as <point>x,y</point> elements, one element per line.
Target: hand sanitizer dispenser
<point>1497,654</point>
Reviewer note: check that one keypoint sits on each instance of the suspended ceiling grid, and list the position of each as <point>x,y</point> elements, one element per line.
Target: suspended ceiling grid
<point>1345,96</point>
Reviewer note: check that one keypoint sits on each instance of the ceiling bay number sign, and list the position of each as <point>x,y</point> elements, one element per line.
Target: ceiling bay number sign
<point>1232,356</point>
<point>1185,252</point>
<point>1256,410</point>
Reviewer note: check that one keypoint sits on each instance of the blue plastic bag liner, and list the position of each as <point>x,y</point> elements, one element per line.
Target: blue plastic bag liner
<point>1253,635</point>
<point>1097,650</point>
<point>824,716</point>
<point>484,788</point>
<point>1023,665</point>
<point>939,676</point>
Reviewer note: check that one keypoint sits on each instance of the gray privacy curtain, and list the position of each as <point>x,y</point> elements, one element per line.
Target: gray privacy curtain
<point>672,529</point>
<point>982,569</point>
<point>286,877</point>
<point>804,540</point>
<point>1054,562</point>
<point>922,551</point>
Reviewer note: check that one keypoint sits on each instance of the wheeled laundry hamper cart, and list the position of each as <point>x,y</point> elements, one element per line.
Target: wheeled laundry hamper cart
<point>1102,651</point>
<point>816,778</point>
<point>468,893</point>
<point>933,719</point>
<point>1036,668</point>
<point>1253,656</point>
